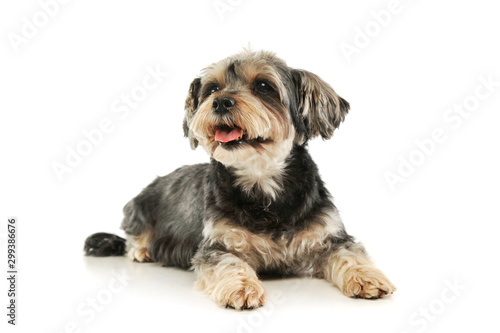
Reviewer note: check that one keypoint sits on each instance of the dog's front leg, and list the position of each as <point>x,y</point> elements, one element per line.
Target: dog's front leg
<point>348,267</point>
<point>228,280</point>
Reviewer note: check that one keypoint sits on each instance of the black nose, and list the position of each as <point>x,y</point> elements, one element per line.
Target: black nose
<point>222,105</point>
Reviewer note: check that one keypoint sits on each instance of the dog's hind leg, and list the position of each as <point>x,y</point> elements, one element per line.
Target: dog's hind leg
<point>139,233</point>
<point>138,247</point>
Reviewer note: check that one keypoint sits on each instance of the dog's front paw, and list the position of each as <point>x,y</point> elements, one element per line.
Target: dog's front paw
<point>247,295</point>
<point>232,288</point>
<point>367,282</point>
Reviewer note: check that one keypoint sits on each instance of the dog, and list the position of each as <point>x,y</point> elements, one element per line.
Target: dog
<point>259,207</point>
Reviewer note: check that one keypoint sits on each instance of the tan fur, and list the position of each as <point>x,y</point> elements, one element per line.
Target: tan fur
<point>262,252</point>
<point>258,167</point>
<point>249,113</point>
<point>254,66</point>
<point>232,279</point>
<point>258,250</point>
<point>231,282</point>
<point>320,104</point>
<point>348,268</point>
<point>264,172</point>
<point>354,274</point>
<point>137,247</point>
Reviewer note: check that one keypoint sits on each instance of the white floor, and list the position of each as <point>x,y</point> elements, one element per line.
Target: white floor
<point>73,293</point>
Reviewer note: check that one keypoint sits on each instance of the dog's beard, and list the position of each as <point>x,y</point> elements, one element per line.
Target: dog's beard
<point>247,131</point>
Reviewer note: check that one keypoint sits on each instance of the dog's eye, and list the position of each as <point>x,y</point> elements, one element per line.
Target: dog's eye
<point>263,87</point>
<point>213,89</point>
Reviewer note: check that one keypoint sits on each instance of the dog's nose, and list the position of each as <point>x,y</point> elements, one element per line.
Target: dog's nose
<point>222,105</point>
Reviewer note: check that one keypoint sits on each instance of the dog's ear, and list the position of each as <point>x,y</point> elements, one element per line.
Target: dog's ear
<point>319,107</point>
<point>190,108</point>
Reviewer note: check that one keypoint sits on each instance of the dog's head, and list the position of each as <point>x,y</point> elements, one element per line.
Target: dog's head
<point>252,104</point>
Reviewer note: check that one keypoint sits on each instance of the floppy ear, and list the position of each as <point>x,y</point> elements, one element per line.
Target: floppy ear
<point>190,109</point>
<point>320,108</point>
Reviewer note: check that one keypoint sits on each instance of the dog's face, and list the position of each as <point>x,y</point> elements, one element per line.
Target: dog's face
<point>252,104</point>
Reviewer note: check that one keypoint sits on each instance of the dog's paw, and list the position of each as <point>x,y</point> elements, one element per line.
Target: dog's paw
<point>229,281</point>
<point>250,295</point>
<point>236,292</point>
<point>138,254</point>
<point>367,282</point>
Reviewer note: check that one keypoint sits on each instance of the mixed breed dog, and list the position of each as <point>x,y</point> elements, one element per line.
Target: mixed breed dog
<point>259,207</point>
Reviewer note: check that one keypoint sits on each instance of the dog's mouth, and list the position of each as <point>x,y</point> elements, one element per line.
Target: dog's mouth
<point>228,136</point>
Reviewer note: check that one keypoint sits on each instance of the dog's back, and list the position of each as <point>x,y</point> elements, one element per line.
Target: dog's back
<point>164,221</point>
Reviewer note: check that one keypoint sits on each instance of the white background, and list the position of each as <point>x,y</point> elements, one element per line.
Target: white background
<point>438,227</point>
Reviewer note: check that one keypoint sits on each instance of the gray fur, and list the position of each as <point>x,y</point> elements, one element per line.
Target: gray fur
<point>171,208</point>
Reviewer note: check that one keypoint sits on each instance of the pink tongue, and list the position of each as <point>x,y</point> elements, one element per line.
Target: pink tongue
<point>226,136</point>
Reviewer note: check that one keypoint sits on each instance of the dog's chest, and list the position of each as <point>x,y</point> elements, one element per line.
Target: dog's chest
<point>262,251</point>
